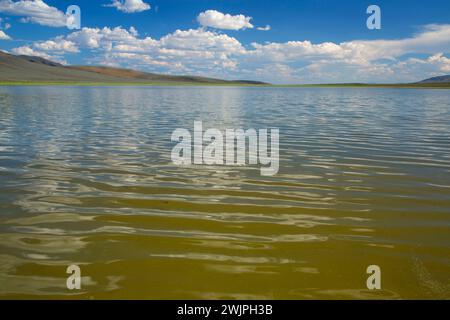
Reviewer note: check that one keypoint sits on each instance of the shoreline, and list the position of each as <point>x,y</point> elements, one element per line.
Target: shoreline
<point>176,84</point>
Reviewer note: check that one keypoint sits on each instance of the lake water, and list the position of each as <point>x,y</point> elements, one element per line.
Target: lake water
<point>86,178</point>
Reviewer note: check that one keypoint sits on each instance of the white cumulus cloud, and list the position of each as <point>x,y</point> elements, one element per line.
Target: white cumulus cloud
<point>266,28</point>
<point>58,44</point>
<point>129,6</point>
<point>219,20</point>
<point>189,51</point>
<point>27,51</point>
<point>442,61</point>
<point>4,36</point>
<point>34,11</point>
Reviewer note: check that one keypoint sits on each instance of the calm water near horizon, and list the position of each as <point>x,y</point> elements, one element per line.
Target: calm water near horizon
<point>86,178</point>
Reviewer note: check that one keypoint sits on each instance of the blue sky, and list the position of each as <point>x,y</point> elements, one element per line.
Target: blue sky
<point>311,41</point>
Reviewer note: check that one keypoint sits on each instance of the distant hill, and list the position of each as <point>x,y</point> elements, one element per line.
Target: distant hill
<point>20,68</point>
<point>440,79</point>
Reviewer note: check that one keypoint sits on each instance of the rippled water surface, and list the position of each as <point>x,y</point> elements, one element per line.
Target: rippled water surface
<point>86,178</point>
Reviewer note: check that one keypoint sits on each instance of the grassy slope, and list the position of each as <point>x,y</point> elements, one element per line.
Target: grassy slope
<point>24,70</point>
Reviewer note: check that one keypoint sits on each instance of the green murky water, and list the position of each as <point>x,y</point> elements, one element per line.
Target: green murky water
<point>86,178</point>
